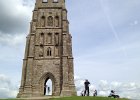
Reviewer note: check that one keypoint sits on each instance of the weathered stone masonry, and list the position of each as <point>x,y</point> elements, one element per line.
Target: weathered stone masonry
<point>48,52</point>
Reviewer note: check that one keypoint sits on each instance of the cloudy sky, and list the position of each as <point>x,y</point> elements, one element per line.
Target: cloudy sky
<point>106,44</point>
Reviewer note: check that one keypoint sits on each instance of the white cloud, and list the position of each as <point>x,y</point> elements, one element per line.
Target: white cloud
<point>125,90</point>
<point>99,51</point>
<point>12,40</point>
<point>7,89</point>
<point>14,21</point>
<point>80,86</point>
<point>135,22</point>
<point>15,16</point>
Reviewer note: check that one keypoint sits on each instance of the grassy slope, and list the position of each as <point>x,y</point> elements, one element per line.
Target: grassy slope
<point>87,98</point>
<point>79,98</point>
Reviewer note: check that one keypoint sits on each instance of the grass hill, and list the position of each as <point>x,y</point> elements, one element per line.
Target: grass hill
<point>87,98</point>
<point>73,98</point>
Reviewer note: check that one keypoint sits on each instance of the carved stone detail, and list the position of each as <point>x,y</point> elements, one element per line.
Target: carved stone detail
<point>48,53</point>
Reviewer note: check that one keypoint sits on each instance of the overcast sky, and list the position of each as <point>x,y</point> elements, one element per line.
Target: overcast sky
<point>106,44</point>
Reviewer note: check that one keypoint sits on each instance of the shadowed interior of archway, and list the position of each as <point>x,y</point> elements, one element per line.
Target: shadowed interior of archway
<point>48,87</point>
<point>48,52</point>
<point>48,80</point>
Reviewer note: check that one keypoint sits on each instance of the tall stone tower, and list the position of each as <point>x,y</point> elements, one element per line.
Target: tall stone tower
<point>48,53</point>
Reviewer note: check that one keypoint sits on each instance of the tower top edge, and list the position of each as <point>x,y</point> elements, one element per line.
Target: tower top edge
<point>50,3</point>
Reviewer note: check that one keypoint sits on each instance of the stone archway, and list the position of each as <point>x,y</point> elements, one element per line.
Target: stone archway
<point>48,55</point>
<point>44,79</point>
<point>48,87</point>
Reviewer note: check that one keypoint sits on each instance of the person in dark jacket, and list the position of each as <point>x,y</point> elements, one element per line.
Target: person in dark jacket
<point>95,93</point>
<point>86,83</point>
<point>112,94</point>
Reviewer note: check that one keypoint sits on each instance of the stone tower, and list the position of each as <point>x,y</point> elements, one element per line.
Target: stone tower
<point>48,53</point>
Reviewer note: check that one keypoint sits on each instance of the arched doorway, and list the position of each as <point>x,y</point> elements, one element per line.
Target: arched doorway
<point>48,85</point>
<point>47,80</point>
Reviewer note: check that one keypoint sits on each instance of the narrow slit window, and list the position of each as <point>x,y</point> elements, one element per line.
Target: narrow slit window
<point>49,40</point>
<point>49,52</point>
<point>41,38</point>
<point>43,21</point>
<point>56,21</point>
<point>41,51</point>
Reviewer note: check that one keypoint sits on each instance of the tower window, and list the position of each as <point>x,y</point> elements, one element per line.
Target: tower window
<point>42,21</point>
<point>49,39</point>
<point>55,1</point>
<point>45,0</point>
<point>41,38</point>
<point>50,21</point>
<point>56,39</point>
<point>49,52</point>
<point>56,21</point>
<point>42,34</point>
<point>43,17</point>
<point>41,51</point>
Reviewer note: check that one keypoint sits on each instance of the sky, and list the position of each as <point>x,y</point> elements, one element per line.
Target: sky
<point>106,44</point>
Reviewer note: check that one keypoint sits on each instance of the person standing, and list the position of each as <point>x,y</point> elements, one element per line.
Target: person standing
<point>45,86</point>
<point>82,93</point>
<point>49,90</point>
<point>95,93</point>
<point>86,83</point>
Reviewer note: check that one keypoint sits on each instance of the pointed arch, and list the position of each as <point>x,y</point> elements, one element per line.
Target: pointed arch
<point>41,38</point>
<point>45,77</point>
<point>48,87</point>
<point>56,21</point>
<point>43,21</point>
<point>49,52</point>
<point>50,21</point>
<point>56,39</point>
<point>49,39</point>
<point>41,51</point>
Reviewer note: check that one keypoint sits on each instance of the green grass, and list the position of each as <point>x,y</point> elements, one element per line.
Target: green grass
<point>78,98</point>
<point>87,98</point>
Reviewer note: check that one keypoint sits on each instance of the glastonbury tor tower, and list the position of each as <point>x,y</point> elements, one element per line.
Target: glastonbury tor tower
<point>48,52</point>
